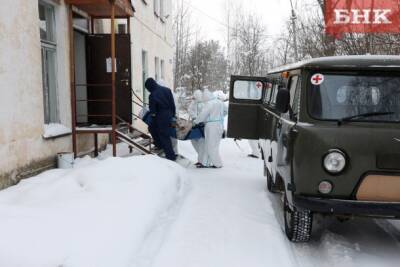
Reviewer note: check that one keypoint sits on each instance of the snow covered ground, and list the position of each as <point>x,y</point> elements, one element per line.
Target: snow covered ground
<point>149,212</point>
<point>228,219</point>
<point>97,214</point>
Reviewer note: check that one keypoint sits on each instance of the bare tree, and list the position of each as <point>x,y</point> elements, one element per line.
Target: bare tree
<point>249,50</point>
<point>206,66</point>
<point>314,42</point>
<point>182,30</point>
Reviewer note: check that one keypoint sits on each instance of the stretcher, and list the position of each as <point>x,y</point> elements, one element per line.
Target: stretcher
<point>180,129</point>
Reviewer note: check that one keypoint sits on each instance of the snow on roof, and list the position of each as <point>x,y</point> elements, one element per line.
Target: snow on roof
<point>366,61</point>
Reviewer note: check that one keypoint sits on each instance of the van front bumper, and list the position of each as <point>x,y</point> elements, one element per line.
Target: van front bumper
<point>348,207</point>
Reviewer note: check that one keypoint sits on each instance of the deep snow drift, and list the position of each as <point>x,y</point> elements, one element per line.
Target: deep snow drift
<point>98,214</point>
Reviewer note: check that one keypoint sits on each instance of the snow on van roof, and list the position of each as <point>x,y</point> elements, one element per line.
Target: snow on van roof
<point>367,61</point>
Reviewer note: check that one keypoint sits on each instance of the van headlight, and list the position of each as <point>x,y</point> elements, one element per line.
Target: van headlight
<point>335,161</point>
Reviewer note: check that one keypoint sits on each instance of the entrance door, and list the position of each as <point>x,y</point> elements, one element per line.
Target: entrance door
<point>99,66</point>
<point>80,78</point>
<point>246,98</point>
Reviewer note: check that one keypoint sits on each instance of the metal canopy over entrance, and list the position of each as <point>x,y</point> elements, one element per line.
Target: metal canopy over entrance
<point>103,9</point>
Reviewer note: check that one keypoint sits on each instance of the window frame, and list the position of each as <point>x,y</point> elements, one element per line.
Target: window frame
<point>51,107</point>
<point>157,68</point>
<point>268,93</point>
<point>248,99</point>
<point>344,73</point>
<point>162,69</point>
<point>296,95</point>
<point>274,94</point>
<point>145,74</point>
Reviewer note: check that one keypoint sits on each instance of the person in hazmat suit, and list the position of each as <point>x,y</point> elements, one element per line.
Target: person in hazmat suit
<point>162,110</point>
<point>255,149</point>
<point>212,116</point>
<point>224,98</point>
<point>195,109</point>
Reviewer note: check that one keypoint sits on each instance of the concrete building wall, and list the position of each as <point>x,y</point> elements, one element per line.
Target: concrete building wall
<point>23,149</point>
<point>153,34</point>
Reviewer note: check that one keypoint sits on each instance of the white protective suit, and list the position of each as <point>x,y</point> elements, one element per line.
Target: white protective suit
<point>255,150</point>
<point>223,97</point>
<point>195,109</point>
<point>213,117</point>
<point>220,95</point>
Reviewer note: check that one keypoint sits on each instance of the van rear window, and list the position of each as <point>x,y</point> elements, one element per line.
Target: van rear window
<point>248,90</point>
<point>335,97</point>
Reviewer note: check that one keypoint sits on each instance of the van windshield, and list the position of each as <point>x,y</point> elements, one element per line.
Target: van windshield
<point>334,97</point>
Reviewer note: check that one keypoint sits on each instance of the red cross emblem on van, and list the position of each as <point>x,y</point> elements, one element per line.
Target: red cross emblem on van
<point>362,16</point>
<point>317,79</point>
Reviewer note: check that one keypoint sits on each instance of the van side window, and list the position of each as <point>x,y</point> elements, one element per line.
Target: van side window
<point>268,93</point>
<point>274,94</point>
<point>295,90</point>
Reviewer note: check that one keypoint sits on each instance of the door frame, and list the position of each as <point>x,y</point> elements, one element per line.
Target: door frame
<point>244,114</point>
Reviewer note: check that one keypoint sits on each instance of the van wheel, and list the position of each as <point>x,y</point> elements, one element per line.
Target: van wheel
<point>271,186</point>
<point>298,224</point>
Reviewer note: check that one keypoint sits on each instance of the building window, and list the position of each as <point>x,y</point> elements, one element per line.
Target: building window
<point>162,9</point>
<point>81,23</point>
<point>145,75</point>
<point>157,69</point>
<point>122,29</point>
<point>49,53</point>
<point>157,7</point>
<point>162,70</point>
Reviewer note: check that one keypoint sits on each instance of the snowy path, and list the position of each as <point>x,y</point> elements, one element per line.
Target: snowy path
<point>227,219</point>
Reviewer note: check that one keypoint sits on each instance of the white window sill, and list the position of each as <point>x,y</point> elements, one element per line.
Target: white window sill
<point>55,130</point>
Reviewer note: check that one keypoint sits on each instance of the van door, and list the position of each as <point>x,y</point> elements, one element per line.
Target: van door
<point>285,135</point>
<point>272,119</point>
<point>246,97</point>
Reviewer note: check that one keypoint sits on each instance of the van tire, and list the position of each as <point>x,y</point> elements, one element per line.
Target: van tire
<point>271,186</point>
<point>298,224</point>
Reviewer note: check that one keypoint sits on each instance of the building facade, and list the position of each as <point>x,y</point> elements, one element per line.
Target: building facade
<point>35,78</point>
<point>26,105</point>
<point>152,47</point>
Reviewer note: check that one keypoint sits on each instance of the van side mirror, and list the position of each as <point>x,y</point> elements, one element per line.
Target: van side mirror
<point>282,100</point>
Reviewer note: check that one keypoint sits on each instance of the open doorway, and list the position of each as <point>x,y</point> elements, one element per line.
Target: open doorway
<point>93,79</point>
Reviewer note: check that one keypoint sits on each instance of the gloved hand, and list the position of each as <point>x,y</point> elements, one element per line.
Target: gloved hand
<point>199,125</point>
<point>173,123</point>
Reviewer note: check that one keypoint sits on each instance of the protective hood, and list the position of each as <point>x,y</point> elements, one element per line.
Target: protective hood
<point>220,95</point>
<point>207,95</point>
<point>151,85</point>
<point>198,96</point>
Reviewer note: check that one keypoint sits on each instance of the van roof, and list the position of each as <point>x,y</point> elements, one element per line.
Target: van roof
<point>344,62</point>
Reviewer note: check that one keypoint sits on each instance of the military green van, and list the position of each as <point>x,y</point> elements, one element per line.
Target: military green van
<point>329,131</point>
